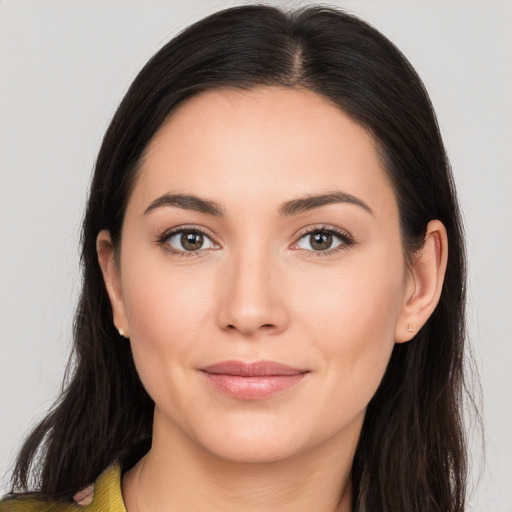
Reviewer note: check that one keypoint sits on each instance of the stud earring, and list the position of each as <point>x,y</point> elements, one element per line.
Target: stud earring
<point>410,328</point>
<point>121,332</point>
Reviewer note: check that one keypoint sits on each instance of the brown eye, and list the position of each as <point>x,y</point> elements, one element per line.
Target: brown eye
<point>320,241</point>
<point>189,240</point>
<point>326,240</point>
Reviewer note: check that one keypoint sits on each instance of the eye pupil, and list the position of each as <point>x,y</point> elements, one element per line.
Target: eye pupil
<point>191,241</point>
<point>321,241</point>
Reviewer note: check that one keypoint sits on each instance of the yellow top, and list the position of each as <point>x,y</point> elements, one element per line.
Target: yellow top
<point>107,498</point>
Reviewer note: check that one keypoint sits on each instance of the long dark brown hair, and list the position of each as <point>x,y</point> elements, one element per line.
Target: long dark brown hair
<point>411,454</point>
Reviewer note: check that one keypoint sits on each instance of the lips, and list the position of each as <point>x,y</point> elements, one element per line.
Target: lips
<point>252,381</point>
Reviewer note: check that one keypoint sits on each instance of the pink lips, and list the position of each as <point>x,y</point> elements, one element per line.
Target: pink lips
<point>252,381</point>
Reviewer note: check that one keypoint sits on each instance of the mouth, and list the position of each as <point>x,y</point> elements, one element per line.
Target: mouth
<point>252,381</point>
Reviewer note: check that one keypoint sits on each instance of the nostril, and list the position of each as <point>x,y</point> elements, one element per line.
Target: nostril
<point>264,326</point>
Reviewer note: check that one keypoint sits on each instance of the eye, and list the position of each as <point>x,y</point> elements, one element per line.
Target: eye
<point>324,240</point>
<point>186,241</point>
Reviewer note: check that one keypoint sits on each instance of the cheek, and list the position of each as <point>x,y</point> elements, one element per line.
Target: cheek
<point>355,301</point>
<point>168,311</point>
<point>353,324</point>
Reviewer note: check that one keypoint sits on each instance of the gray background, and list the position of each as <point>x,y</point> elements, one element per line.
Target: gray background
<point>64,67</point>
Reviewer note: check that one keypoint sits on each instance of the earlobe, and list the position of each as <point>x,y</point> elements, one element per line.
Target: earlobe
<point>425,282</point>
<point>111,276</point>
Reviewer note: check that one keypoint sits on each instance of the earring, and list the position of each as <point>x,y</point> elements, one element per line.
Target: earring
<point>410,328</point>
<point>121,332</point>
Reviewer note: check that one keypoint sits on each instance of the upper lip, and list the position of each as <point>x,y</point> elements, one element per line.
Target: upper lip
<point>252,369</point>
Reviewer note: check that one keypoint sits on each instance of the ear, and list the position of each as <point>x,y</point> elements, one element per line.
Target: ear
<point>424,283</point>
<point>111,276</point>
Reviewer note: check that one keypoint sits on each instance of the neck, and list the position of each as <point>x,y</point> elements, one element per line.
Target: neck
<point>177,474</point>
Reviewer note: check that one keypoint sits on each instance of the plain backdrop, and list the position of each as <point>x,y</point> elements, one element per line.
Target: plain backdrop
<point>64,67</point>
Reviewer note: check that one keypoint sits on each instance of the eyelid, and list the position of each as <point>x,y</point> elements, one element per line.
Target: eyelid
<point>346,238</point>
<point>167,235</point>
<point>323,227</point>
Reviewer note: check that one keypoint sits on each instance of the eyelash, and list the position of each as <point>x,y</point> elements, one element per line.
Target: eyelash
<point>346,239</point>
<point>344,236</point>
<point>162,241</point>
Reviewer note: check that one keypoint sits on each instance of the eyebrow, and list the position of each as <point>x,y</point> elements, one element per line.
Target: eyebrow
<point>310,202</point>
<point>289,208</point>
<point>187,202</point>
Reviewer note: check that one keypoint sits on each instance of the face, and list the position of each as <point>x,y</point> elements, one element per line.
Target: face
<point>261,319</point>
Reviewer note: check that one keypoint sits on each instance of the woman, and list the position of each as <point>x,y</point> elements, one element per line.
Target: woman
<point>272,313</point>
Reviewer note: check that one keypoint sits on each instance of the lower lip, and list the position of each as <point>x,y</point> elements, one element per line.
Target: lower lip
<point>253,388</point>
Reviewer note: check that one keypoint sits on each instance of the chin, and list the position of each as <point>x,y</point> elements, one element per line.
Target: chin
<point>253,442</point>
<point>253,452</point>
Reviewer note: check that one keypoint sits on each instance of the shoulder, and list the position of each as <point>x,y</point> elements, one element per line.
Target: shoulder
<point>107,498</point>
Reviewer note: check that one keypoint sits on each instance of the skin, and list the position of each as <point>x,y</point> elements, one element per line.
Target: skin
<point>257,290</point>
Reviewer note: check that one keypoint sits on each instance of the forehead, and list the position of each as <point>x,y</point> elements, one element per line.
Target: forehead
<point>261,146</point>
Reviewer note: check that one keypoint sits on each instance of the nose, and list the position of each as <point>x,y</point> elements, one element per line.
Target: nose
<point>252,297</point>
